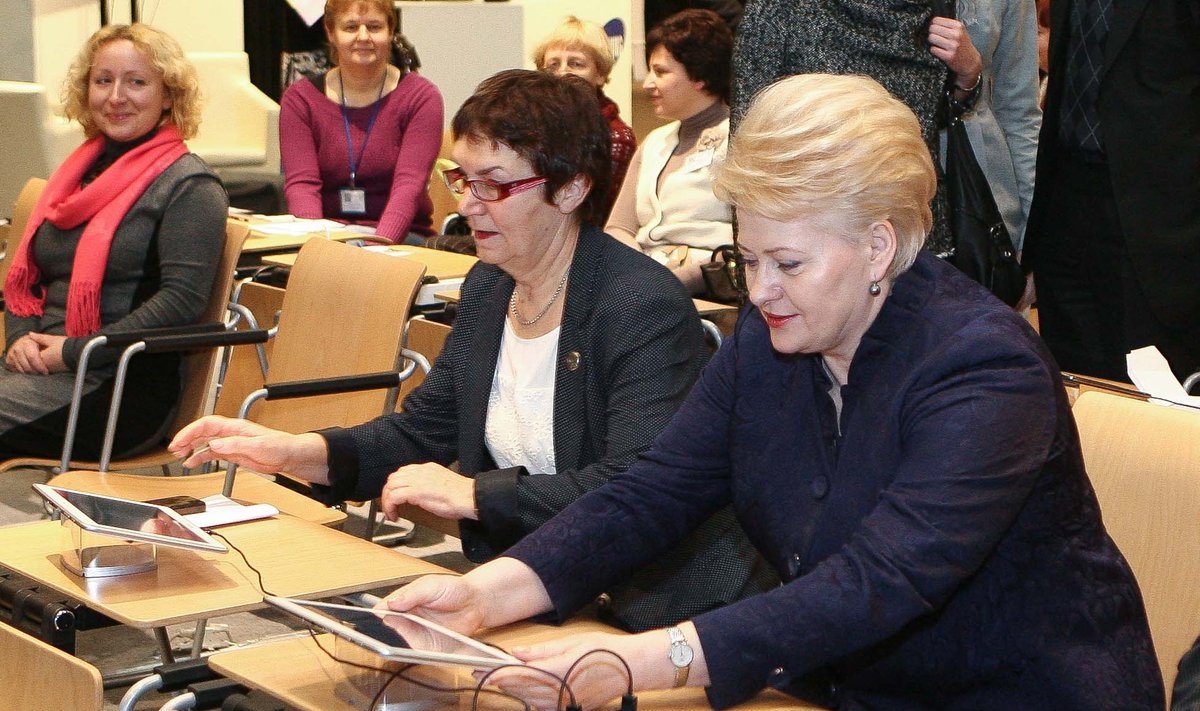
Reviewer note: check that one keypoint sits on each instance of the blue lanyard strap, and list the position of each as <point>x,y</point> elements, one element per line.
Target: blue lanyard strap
<point>355,162</point>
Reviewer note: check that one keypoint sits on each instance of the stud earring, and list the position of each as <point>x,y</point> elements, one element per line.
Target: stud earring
<point>874,289</point>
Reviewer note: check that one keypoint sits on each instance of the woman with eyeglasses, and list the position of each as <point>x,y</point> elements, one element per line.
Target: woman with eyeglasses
<point>569,353</point>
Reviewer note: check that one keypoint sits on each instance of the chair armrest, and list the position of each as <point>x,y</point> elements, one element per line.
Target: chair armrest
<point>125,339</point>
<point>329,386</point>
<point>197,341</point>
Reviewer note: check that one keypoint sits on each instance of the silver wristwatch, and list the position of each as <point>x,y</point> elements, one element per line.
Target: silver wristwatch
<point>680,654</point>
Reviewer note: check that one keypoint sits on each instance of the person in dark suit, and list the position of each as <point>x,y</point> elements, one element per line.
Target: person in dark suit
<point>1114,230</point>
<point>569,353</point>
<point>894,440</point>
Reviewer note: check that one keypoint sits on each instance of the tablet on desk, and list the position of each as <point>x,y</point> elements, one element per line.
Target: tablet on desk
<point>396,636</point>
<point>129,520</point>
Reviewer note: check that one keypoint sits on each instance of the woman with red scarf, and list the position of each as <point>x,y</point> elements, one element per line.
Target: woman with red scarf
<point>126,236</point>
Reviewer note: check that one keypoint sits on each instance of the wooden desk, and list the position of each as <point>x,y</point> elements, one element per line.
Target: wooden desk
<point>704,308</point>
<point>299,674</point>
<point>247,486</point>
<point>259,243</point>
<point>438,263</point>
<point>297,558</point>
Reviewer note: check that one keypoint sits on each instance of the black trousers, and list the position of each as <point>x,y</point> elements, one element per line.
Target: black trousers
<point>1091,305</point>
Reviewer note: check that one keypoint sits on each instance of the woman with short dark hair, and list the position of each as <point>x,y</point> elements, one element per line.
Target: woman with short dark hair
<point>666,207</point>
<point>569,353</point>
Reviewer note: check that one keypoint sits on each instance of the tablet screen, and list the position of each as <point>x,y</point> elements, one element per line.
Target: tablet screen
<point>395,634</point>
<point>124,518</point>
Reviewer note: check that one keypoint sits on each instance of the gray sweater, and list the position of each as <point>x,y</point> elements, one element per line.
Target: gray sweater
<point>160,266</point>
<point>883,40</point>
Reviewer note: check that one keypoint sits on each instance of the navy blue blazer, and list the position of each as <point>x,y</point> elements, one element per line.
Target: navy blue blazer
<point>940,545</point>
<point>629,349</point>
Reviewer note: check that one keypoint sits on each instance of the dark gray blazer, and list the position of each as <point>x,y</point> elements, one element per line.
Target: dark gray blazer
<point>629,349</point>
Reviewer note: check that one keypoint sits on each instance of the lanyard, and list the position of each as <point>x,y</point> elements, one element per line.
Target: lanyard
<point>355,162</point>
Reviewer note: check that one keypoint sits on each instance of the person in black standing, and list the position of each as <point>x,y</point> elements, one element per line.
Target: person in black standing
<point>1114,229</point>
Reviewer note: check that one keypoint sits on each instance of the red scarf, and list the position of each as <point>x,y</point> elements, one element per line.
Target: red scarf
<point>102,205</point>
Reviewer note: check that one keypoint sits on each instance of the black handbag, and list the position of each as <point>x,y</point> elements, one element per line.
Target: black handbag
<point>983,249</point>
<point>720,274</point>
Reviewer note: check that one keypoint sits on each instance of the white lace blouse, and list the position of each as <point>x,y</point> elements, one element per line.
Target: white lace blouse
<point>520,417</point>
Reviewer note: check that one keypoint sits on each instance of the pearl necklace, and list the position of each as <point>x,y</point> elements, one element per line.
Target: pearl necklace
<point>512,303</point>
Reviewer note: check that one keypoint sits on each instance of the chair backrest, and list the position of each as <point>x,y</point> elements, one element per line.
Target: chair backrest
<point>1144,462</point>
<point>243,372</point>
<point>445,203</point>
<point>344,312</point>
<point>200,367</point>
<point>22,208</point>
<point>35,675</point>
<point>427,338</point>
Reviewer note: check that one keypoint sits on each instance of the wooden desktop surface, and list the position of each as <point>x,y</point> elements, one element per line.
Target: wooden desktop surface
<point>298,673</point>
<point>297,558</point>
<point>258,242</point>
<point>438,263</point>
<point>247,487</point>
<point>704,308</point>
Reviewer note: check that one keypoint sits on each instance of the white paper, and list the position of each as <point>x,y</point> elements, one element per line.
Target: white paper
<point>309,10</point>
<point>221,510</point>
<point>1149,371</point>
<point>297,227</point>
<point>388,250</point>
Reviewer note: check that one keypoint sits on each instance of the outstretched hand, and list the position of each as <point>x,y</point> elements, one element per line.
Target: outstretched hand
<point>252,446</point>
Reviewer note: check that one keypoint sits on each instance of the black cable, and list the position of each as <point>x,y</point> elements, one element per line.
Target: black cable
<point>483,680</point>
<point>628,701</point>
<point>261,586</point>
<point>401,673</point>
<point>477,690</point>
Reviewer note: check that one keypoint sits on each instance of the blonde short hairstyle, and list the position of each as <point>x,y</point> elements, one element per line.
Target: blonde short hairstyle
<point>576,35</point>
<point>180,81</point>
<point>836,149</point>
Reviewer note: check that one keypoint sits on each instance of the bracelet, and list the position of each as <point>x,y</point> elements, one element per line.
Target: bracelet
<point>973,87</point>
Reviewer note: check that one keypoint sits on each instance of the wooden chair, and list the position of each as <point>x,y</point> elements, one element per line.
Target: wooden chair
<point>426,338</point>
<point>22,208</point>
<point>344,312</point>
<point>35,675</point>
<point>445,203</point>
<point>1144,462</point>
<point>200,372</point>
<point>243,370</point>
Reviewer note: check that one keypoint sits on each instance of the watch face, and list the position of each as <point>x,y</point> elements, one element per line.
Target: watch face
<point>681,655</point>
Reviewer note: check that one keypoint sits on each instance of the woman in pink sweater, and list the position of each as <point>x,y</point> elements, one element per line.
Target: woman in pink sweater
<point>358,143</point>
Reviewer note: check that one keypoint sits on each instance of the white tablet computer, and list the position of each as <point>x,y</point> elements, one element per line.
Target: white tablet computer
<point>396,636</point>
<point>129,520</point>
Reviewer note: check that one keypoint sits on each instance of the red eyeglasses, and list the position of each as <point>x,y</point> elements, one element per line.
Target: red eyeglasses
<point>485,189</point>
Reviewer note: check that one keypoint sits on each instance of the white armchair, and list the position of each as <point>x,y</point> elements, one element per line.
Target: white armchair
<point>240,126</point>
<point>34,141</point>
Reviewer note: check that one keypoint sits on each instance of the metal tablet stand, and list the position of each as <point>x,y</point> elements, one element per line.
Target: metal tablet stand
<point>93,558</point>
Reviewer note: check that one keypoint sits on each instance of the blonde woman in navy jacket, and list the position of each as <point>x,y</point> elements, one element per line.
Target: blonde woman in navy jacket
<point>894,440</point>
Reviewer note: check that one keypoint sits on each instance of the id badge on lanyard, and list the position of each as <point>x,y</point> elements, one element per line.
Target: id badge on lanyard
<point>351,198</point>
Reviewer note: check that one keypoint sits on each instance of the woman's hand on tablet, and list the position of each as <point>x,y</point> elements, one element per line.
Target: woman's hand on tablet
<point>447,600</point>
<point>496,593</point>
